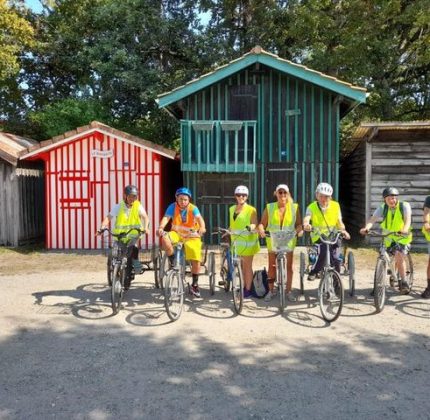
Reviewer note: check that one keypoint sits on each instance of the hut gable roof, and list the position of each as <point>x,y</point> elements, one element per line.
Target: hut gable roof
<point>12,145</point>
<point>258,55</point>
<point>93,127</point>
<point>372,130</point>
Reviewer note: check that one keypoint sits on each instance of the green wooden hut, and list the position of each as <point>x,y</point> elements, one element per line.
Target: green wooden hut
<point>259,120</point>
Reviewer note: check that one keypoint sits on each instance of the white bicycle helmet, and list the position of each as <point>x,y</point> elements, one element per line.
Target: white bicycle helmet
<point>241,189</point>
<point>324,188</point>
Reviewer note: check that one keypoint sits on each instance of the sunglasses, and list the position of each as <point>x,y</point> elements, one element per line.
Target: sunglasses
<point>241,195</point>
<point>282,193</point>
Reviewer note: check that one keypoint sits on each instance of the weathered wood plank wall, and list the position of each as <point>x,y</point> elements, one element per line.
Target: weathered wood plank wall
<point>399,160</point>
<point>21,205</point>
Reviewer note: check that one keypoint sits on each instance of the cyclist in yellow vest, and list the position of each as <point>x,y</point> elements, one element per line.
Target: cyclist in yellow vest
<point>324,214</point>
<point>243,220</point>
<point>395,216</point>
<point>128,214</point>
<point>426,232</point>
<point>283,214</point>
<point>188,224</point>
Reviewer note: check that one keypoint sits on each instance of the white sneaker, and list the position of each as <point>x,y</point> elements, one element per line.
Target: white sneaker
<point>270,294</point>
<point>291,296</point>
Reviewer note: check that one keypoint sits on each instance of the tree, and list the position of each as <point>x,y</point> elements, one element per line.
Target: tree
<point>16,34</point>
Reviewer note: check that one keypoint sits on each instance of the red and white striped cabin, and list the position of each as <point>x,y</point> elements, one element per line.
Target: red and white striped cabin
<point>86,171</point>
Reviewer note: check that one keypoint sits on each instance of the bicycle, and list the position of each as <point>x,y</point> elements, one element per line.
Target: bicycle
<point>330,288</point>
<point>385,265</point>
<point>280,244</point>
<point>231,269</point>
<point>117,263</point>
<point>162,266</point>
<point>347,261</point>
<point>174,282</point>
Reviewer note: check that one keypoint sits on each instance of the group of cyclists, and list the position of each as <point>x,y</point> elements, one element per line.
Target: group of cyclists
<point>321,216</point>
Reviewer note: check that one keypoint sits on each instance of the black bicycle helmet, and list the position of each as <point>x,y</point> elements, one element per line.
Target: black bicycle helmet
<point>390,191</point>
<point>131,190</point>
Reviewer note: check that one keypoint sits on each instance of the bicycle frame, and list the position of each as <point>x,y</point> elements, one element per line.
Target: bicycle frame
<point>174,288</point>
<point>234,269</point>
<point>120,253</point>
<point>383,261</point>
<point>280,244</point>
<point>383,252</point>
<point>330,289</point>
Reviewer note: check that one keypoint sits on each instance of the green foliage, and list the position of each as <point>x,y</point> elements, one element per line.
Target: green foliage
<point>16,34</point>
<point>109,59</point>
<point>68,114</point>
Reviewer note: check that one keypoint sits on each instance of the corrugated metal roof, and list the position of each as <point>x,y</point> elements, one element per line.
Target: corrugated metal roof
<point>366,131</point>
<point>93,127</point>
<point>258,54</point>
<point>12,145</point>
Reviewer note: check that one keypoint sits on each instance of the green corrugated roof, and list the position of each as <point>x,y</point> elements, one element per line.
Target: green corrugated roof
<point>258,55</point>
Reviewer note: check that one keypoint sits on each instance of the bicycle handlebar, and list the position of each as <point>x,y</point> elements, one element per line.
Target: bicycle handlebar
<point>121,234</point>
<point>377,234</point>
<point>224,231</point>
<point>325,237</point>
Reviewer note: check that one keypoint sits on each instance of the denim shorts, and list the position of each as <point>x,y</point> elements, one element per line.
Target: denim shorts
<point>403,248</point>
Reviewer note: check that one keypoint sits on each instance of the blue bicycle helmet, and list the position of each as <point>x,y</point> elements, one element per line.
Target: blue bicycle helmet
<point>184,191</point>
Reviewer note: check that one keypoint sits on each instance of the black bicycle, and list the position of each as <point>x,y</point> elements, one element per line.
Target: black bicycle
<point>386,265</point>
<point>118,267</point>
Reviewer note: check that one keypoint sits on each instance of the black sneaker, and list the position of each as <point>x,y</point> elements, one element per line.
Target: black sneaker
<point>426,293</point>
<point>195,291</point>
<point>404,287</point>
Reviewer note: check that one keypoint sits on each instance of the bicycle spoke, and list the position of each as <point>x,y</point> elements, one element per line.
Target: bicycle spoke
<point>173,295</point>
<point>116,289</point>
<point>237,289</point>
<point>330,295</point>
<point>379,284</point>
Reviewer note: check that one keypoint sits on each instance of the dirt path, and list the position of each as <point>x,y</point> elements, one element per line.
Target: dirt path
<point>64,356</point>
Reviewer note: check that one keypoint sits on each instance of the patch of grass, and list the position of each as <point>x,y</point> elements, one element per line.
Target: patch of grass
<point>25,249</point>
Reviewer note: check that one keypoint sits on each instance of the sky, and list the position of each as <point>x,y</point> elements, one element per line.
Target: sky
<point>34,5</point>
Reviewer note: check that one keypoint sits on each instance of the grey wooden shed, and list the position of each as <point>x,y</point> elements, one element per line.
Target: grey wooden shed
<point>21,193</point>
<point>386,154</point>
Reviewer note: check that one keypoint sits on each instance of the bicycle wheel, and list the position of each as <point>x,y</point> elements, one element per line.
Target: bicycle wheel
<point>109,270</point>
<point>351,273</point>
<point>211,272</point>
<point>237,288</point>
<point>280,276</point>
<point>225,282</point>
<point>409,271</point>
<point>379,284</point>
<point>157,265</point>
<point>164,268</point>
<point>302,272</point>
<point>173,294</point>
<point>117,289</point>
<point>330,295</point>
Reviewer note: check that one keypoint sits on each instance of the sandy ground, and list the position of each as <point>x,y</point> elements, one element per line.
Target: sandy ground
<point>64,356</point>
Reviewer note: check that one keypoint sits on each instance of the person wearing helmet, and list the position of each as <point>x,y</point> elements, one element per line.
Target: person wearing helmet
<point>426,232</point>
<point>395,216</point>
<point>243,221</point>
<point>128,213</point>
<point>325,214</point>
<point>283,214</point>
<point>188,225</point>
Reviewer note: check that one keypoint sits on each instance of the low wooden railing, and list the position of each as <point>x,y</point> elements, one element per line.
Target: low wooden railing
<point>218,146</point>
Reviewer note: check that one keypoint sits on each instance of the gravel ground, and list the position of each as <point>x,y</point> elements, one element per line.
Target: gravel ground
<point>64,356</point>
